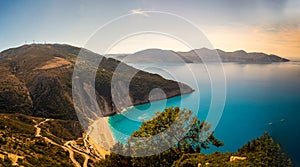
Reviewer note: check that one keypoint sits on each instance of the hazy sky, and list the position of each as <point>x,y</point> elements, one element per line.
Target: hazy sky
<point>271,26</point>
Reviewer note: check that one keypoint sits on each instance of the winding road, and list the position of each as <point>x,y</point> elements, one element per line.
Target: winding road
<point>67,146</point>
<point>38,129</point>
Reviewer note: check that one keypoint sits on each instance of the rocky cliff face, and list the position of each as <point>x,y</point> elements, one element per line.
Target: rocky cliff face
<point>14,95</point>
<point>37,80</point>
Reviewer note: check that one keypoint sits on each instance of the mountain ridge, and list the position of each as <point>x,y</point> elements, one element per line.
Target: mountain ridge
<point>196,56</point>
<point>37,80</point>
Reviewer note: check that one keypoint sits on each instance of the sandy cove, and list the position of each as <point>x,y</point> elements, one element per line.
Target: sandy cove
<point>100,136</point>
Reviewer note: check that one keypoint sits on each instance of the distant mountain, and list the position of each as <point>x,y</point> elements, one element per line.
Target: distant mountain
<point>37,80</point>
<point>193,56</point>
<point>152,56</point>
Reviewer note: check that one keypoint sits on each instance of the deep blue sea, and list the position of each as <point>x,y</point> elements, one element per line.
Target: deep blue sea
<point>259,98</point>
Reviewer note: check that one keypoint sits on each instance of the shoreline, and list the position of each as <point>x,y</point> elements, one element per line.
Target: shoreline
<point>145,102</point>
<point>103,139</point>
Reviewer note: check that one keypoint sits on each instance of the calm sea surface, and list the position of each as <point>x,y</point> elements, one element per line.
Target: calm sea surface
<point>259,98</point>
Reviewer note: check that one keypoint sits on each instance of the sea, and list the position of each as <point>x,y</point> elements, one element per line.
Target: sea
<point>256,98</point>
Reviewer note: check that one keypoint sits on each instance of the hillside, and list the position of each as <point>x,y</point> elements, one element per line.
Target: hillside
<point>32,141</point>
<point>37,80</point>
<point>57,144</point>
<point>169,56</point>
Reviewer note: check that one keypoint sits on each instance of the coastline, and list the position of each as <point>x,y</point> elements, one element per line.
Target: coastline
<point>101,137</point>
<point>124,110</point>
<point>149,101</point>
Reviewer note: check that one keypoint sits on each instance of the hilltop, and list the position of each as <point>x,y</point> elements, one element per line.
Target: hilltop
<point>36,80</point>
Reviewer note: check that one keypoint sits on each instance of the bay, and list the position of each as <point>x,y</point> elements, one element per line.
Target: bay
<point>259,98</point>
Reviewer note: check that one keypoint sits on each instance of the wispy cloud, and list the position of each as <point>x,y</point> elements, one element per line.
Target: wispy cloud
<point>139,12</point>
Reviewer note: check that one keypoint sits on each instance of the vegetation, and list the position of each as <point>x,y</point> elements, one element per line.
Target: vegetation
<point>192,142</point>
<point>37,80</point>
<point>13,93</point>
<point>262,151</point>
<point>79,158</point>
<point>63,129</point>
<point>17,138</point>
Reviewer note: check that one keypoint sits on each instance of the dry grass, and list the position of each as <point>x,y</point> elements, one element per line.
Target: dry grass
<point>55,63</point>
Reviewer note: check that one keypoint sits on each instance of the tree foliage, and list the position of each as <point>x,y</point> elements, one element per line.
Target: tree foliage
<point>260,152</point>
<point>181,129</point>
<point>263,151</point>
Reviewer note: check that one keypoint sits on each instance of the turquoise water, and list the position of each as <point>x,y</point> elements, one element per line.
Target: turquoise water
<point>260,97</point>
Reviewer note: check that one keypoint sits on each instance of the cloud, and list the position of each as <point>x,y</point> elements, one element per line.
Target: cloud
<point>139,12</point>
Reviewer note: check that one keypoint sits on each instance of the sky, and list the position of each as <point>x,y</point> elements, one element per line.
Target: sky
<point>270,26</point>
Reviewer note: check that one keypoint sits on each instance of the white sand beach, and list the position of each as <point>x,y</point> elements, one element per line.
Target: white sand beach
<point>101,136</point>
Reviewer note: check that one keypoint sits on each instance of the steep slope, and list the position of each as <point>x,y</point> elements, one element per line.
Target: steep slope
<point>45,72</point>
<point>37,80</point>
<point>33,141</point>
<point>14,95</point>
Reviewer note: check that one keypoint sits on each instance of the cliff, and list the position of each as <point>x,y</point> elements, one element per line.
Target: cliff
<point>37,80</point>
